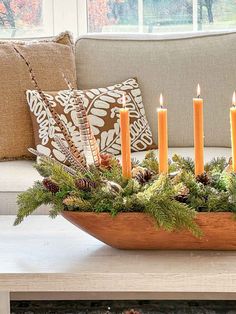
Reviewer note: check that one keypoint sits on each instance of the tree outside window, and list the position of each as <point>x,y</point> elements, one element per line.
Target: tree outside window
<point>20,14</point>
<point>160,15</point>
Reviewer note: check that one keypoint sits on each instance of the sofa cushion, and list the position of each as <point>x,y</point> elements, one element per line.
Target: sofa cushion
<point>173,66</point>
<point>17,176</point>
<point>102,105</point>
<point>48,59</point>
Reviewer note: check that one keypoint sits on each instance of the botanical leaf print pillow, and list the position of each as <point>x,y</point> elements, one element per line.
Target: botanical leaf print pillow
<point>102,105</point>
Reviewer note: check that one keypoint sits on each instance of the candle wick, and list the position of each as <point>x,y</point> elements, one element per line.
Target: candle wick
<point>198,96</point>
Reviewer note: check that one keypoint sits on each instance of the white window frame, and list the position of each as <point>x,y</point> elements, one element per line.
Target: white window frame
<point>77,20</point>
<point>67,15</point>
<point>72,15</point>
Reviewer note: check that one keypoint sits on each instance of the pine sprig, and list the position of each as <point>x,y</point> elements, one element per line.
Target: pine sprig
<point>172,200</point>
<point>61,177</point>
<point>30,200</point>
<point>150,162</point>
<point>182,163</point>
<point>172,215</point>
<point>216,165</point>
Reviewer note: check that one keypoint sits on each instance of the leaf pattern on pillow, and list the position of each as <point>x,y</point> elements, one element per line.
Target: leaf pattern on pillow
<point>102,106</point>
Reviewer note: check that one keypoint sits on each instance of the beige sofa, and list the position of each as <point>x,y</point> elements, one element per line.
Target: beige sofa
<point>171,65</point>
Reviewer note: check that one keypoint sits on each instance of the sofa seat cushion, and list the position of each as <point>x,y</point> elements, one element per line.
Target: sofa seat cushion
<point>17,176</point>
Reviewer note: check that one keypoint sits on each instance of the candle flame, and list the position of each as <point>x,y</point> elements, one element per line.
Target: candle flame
<point>161,100</point>
<point>198,90</point>
<point>234,99</point>
<point>123,100</point>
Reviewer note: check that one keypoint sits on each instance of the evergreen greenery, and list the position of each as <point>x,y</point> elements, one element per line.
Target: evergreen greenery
<point>172,200</point>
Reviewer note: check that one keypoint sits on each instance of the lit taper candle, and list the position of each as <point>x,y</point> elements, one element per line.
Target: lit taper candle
<point>162,137</point>
<point>233,131</point>
<point>198,133</point>
<point>125,140</point>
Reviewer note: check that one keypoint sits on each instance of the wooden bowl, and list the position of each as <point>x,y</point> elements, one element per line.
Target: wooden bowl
<point>138,231</point>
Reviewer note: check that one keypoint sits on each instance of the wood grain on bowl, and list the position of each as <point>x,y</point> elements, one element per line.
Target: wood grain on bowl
<point>139,231</point>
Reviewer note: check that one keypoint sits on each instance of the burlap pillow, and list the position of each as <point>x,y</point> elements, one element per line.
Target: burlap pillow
<point>48,59</point>
<point>102,106</point>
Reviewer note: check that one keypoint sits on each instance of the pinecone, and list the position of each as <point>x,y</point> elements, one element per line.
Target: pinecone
<point>183,194</point>
<point>106,161</point>
<point>203,178</point>
<point>143,176</point>
<point>70,201</point>
<point>85,184</point>
<point>50,185</point>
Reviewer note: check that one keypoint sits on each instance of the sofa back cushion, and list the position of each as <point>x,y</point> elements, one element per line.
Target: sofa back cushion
<point>173,66</point>
<point>49,58</point>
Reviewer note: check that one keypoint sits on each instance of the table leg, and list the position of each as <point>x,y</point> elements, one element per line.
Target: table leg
<point>4,302</point>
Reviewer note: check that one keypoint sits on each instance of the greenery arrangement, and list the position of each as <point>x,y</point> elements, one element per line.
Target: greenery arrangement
<point>93,182</point>
<point>172,200</point>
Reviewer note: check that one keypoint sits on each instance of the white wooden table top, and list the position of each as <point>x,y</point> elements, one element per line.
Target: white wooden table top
<point>52,255</point>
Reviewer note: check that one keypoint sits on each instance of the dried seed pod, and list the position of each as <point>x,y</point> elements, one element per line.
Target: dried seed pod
<point>112,187</point>
<point>182,194</point>
<point>106,161</point>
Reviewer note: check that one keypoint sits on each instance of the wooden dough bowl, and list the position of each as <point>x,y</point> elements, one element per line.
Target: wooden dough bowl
<point>138,231</point>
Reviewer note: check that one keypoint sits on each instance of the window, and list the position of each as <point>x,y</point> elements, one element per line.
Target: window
<point>158,16</point>
<point>33,18</point>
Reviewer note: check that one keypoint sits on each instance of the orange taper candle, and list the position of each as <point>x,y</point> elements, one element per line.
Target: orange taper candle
<point>125,140</point>
<point>198,133</point>
<point>233,131</point>
<point>162,137</point>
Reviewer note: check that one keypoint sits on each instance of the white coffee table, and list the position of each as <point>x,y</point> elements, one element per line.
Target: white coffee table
<point>52,259</point>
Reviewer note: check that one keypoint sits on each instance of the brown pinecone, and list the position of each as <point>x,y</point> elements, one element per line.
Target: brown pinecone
<point>106,160</point>
<point>50,185</point>
<point>85,184</point>
<point>203,178</point>
<point>144,176</point>
<point>182,198</point>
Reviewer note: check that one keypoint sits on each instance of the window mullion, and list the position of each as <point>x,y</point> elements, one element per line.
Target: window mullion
<point>82,17</point>
<point>140,16</point>
<point>195,15</point>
